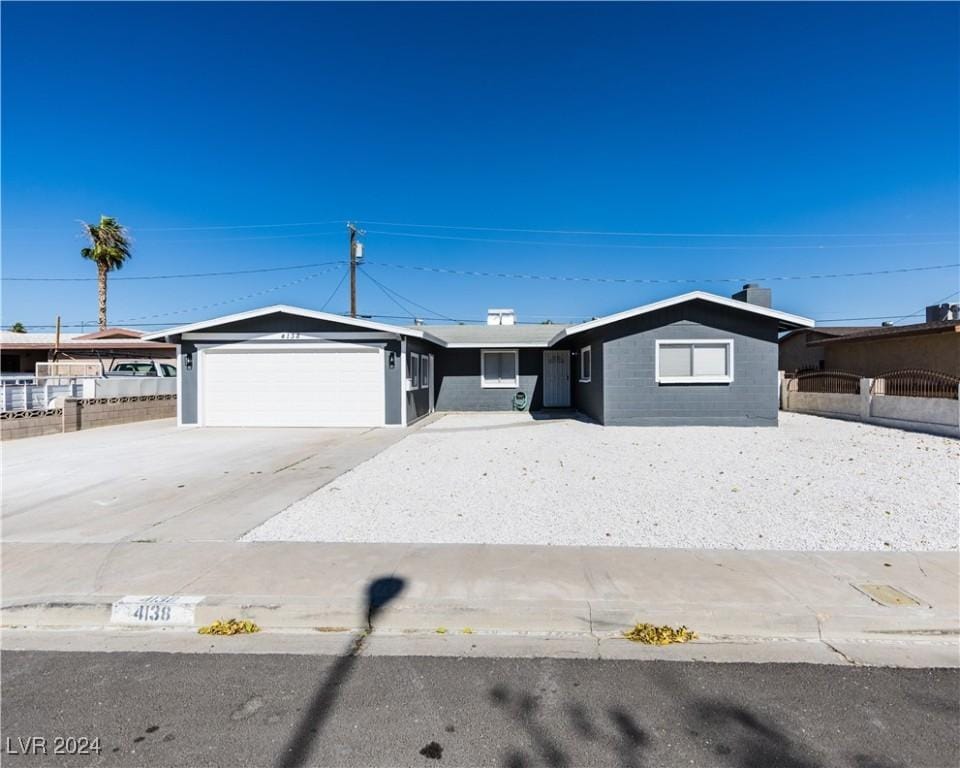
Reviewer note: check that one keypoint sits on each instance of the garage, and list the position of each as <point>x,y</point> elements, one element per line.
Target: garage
<point>292,385</point>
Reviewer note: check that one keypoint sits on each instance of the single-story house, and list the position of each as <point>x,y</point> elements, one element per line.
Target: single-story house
<point>929,346</point>
<point>697,358</point>
<point>22,351</point>
<point>799,353</point>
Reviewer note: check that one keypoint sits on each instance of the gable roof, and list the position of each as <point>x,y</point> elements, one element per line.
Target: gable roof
<point>786,320</point>
<point>112,333</point>
<point>888,331</point>
<point>465,336</point>
<point>492,336</point>
<point>74,342</point>
<point>369,325</point>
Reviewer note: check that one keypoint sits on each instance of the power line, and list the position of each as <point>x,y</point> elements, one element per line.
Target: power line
<point>243,239</point>
<point>938,301</point>
<point>334,292</point>
<point>651,234</point>
<point>561,278</point>
<point>388,290</point>
<point>871,317</point>
<point>171,277</point>
<point>253,295</point>
<point>634,246</point>
<point>240,226</point>
<point>201,228</point>
<point>384,291</point>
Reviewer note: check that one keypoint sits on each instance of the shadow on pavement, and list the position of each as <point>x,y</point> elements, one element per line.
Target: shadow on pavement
<point>730,734</point>
<point>379,593</point>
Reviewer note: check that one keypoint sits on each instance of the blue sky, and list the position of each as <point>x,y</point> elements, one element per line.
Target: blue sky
<point>759,121</point>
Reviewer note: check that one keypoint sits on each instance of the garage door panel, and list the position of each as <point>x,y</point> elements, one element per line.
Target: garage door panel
<point>293,388</point>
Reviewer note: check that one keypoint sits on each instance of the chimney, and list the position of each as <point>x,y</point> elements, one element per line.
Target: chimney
<point>754,294</point>
<point>501,317</point>
<point>938,312</point>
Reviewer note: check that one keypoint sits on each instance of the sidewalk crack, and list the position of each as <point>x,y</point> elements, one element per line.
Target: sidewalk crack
<point>832,647</point>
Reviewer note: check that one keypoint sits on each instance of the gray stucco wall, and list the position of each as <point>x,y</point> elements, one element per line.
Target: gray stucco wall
<point>631,394</point>
<point>458,382</point>
<point>278,323</point>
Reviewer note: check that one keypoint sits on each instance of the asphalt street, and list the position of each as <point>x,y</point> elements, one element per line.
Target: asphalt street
<point>170,709</point>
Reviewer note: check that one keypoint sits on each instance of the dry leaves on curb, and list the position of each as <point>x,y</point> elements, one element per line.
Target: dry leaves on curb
<point>648,634</point>
<point>229,627</point>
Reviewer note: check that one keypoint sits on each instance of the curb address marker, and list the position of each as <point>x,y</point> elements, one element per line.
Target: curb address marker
<point>155,610</point>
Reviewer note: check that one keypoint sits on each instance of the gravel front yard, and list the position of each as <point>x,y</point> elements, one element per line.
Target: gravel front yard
<point>812,483</point>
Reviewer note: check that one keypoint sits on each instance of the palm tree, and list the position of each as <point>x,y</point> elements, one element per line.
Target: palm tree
<point>18,328</point>
<point>109,249</point>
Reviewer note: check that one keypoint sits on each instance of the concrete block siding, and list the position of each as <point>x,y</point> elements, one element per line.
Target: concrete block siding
<point>458,382</point>
<point>632,396</point>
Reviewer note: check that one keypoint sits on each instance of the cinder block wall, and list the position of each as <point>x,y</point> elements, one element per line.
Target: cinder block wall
<point>78,414</point>
<point>44,423</point>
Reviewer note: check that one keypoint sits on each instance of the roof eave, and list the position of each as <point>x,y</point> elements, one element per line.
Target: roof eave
<point>786,321</point>
<point>287,309</point>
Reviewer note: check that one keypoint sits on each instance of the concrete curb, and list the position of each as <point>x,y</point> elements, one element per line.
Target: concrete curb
<point>599,619</point>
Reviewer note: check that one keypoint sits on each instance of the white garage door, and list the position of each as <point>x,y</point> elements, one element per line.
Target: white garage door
<point>292,388</point>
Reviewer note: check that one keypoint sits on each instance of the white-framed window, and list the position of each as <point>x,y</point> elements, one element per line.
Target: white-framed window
<point>413,370</point>
<point>424,371</point>
<point>586,364</point>
<point>499,368</point>
<point>694,361</point>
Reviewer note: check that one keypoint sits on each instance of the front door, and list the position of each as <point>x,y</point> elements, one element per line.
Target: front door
<point>556,378</point>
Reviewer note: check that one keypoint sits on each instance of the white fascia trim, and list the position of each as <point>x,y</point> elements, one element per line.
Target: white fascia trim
<point>495,345</point>
<point>287,336</point>
<point>287,309</point>
<point>785,317</point>
<point>728,379</point>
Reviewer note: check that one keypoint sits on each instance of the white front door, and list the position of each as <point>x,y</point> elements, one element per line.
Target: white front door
<point>556,378</point>
<point>291,386</point>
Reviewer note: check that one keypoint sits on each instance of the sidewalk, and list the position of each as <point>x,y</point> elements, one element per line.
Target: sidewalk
<point>590,592</point>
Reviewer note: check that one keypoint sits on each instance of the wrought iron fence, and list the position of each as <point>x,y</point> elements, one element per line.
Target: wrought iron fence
<point>826,382</point>
<point>916,383</point>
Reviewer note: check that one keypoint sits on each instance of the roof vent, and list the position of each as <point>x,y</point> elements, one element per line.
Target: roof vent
<point>501,317</point>
<point>754,294</point>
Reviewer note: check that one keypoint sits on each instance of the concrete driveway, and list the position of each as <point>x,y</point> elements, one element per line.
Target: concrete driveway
<point>151,481</point>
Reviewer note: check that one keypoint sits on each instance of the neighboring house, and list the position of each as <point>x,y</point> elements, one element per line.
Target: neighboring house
<point>931,346</point>
<point>692,359</point>
<point>22,351</point>
<point>797,352</point>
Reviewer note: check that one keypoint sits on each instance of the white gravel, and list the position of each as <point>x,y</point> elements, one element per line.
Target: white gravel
<point>811,484</point>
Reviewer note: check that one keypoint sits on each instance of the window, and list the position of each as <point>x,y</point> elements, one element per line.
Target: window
<point>586,363</point>
<point>498,369</point>
<point>694,361</point>
<point>169,370</point>
<point>424,371</point>
<point>413,371</point>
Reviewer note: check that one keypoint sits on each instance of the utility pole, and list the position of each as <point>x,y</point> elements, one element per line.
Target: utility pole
<point>356,255</point>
